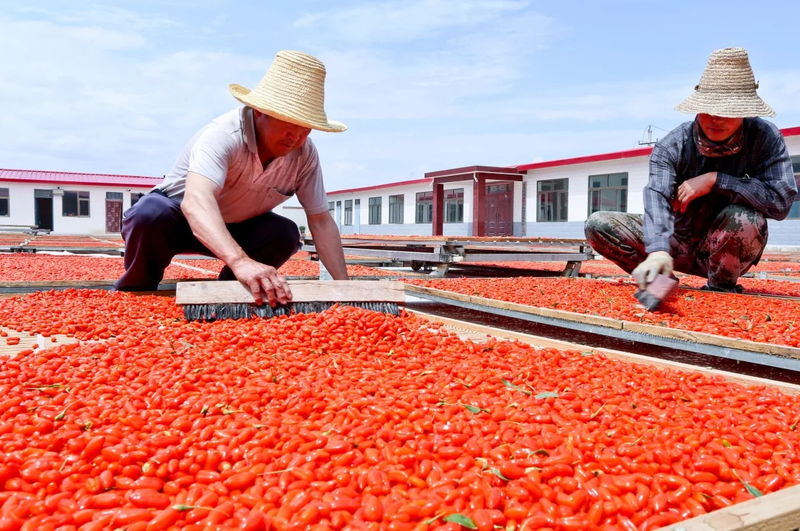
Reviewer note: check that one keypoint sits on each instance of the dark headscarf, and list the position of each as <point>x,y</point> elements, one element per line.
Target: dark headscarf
<point>709,148</point>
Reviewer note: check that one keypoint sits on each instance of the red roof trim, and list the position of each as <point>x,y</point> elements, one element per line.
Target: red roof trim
<point>74,178</point>
<point>631,153</point>
<point>85,183</point>
<point>379,186</point>
<point>791,131</point>
<point>615,155</point>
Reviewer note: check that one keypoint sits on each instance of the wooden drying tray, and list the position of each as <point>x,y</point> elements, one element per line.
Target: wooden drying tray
<point>616,324</point>
<point>777,511</point>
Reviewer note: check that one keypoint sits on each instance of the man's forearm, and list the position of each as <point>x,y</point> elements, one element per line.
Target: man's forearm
<point>329,246</point>
<point>208,226</point>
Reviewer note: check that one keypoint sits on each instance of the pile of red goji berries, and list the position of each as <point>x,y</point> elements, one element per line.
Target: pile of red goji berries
<point>608,268</point>
<point>752,286</point>
<point>730,315</point>
<point>44,267</point>
<point>777,268</point>
<point>350,418</point>
<point>593,267</point>
<point>12,239</point>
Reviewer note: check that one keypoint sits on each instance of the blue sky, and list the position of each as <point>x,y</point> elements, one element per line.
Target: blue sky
<point>423,85</point>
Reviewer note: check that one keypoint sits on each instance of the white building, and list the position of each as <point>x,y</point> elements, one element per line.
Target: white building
<point>69,203</point>
<point>551,198</point>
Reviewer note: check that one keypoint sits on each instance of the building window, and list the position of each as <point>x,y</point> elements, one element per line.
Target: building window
<point>348,212</point>
<point>794,212</point>
<point>608,192</point>
<point>552,198</point>
<point>375,210</point>
<point>454,206</point>
<point>75,204</point>
<point>135,197</point>
<point>113,196</point>
<point>424,207</point>
<point>396,209</point>
<point>4,200</point>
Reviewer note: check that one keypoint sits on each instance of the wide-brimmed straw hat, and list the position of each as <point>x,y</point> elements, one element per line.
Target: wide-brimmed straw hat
<point>293,90</point>
<point>727,88</point>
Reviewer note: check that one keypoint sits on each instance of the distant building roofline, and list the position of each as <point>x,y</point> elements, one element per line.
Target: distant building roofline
<point>76,178</point>
<point>379,186</point>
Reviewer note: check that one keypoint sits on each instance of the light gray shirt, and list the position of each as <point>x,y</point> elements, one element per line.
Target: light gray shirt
<point>225,151</point>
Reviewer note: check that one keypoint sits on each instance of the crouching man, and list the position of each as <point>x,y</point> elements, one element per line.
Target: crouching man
<point>713,183</point>
<point>219,198</point>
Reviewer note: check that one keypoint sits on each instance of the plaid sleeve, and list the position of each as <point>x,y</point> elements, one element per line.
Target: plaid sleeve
<point>773,189</point>
<point>659,219</point>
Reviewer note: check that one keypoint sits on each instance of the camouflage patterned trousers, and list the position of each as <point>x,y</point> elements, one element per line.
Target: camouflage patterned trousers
<point>733,244</point>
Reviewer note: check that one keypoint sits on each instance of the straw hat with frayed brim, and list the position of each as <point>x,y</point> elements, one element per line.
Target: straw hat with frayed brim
<point>727,88</point>
<point>293,90</point>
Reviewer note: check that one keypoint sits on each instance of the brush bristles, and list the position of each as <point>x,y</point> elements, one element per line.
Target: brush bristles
<point>213,312</point>
<point>648,300</point>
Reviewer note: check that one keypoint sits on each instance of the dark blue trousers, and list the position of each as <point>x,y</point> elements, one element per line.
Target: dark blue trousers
<point>155,230</point>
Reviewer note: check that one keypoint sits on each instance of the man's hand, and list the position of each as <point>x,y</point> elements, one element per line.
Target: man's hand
<point>260,278</point>
<point>655,263</point>
<point>690,190</point>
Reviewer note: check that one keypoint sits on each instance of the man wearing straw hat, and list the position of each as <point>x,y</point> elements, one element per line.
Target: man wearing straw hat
<point>713,183</point>
<point>219,198</point>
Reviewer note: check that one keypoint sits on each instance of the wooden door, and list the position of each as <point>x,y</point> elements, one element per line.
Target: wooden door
<point>491,210</point>
<point>43,213</point>
<point>113,216</point>
<point>505,212</point>
<point>500,209</point>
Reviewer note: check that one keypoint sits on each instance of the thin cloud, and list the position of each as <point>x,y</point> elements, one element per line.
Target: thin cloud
<point>106,16</point>
<point>77,93</point>
<point>403,20</point>
<point>480,64</point>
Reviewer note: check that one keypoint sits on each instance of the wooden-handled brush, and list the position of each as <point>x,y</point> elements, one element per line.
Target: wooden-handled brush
<point>212,300</point>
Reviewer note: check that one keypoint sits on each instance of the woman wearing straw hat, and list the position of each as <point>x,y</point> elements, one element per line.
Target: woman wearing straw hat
<point>218,198</point>
<point>713,183</point>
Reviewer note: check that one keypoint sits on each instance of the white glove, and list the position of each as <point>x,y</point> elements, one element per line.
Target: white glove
<point>655,263</point>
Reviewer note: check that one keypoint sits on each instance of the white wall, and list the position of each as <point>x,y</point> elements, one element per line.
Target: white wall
<point>291,209</point>
<point>21,207</point>
<point>578,175</point>
<point>409,225</point>
<point>578,206</point>
<point>793,145</point>
<point>20,213</point>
